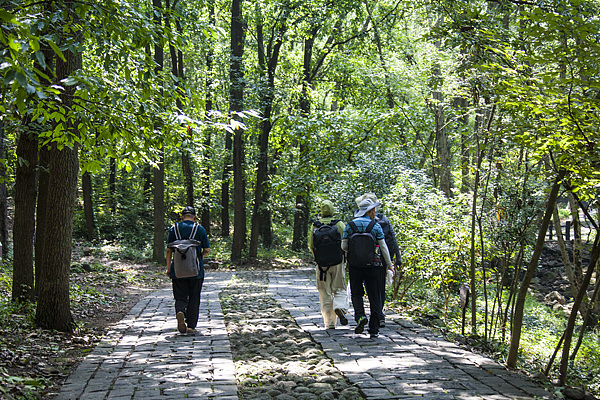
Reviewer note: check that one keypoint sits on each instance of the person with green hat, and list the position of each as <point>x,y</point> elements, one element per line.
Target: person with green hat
<point>324,241</point>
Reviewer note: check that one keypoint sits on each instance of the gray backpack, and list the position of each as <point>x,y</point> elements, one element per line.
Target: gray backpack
<point>185,257</point>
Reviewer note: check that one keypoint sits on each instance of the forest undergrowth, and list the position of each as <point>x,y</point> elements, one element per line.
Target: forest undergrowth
<point>543,327</point>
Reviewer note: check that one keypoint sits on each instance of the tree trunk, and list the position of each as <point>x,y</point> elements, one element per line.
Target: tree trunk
<point>147,178</point>
<point>158,183</point>
<point>112,185</point>
<point>158,249</point>
<point>53,304</point>
<point>177,72</point>
<point>42,210</point>
<point>24,222</point>
<point>388,89</point>
<point>3,199</point>
<point>460,103</point>
<point>301,215</point>
<point>88,205</point>
<point>225,185</point>
<point>517,323</point>
<point>564,363</point>
<point>575,279</point>
<point>236,93</point>
<point>441,146</point>
<point>268,65</point>
<point>205,214</point>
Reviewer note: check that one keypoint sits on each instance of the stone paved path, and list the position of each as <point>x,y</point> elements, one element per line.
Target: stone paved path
<point>144,357</point>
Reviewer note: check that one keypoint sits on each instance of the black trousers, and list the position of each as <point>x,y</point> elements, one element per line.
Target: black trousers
<point>187,299</point>
<point>369,278</point>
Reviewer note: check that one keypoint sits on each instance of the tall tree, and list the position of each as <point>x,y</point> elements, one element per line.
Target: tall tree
<point>268,58</point>
<point>53,307</point>
<point>236,106</point>
<point>209,95</point>
<point>158,248</point>
<point>517,322</point>
<point>3,197</point>
<point>25,199</point>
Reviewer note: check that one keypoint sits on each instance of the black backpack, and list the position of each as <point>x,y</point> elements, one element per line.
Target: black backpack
<point>327,245</point>
<point>362,247</point>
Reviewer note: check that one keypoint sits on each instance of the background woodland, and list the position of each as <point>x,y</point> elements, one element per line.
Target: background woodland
<point>475,122</point>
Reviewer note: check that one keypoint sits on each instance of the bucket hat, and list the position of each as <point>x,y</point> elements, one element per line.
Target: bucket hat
<point>365,206</point>
<point>370,196</point>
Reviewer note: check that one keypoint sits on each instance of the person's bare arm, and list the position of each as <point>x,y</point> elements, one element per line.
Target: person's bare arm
<point>169,253</point>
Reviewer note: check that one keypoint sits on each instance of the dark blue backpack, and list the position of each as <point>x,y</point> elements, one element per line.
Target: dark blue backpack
<point>362,247</point>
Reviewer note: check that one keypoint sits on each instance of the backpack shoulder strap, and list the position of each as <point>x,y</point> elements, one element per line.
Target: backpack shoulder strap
<point>176,231</point>
<point>317,224</point>
<point>334,222</point>
<point>194,230</point>
<point>353,226</point>
<point>370,226</point>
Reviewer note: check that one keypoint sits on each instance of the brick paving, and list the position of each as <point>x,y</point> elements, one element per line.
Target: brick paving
<point>144,357</point>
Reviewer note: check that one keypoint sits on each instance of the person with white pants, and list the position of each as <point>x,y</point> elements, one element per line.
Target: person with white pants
<point>331,281</point>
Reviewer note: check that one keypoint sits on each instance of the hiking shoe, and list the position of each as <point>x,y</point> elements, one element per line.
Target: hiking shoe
<point>181,327</point>
<point>340,313</point>
<point>331,327</point>
<point>382,323</point>
<point>191,331</point>
<point>374,335</point>
<point>362,321</point>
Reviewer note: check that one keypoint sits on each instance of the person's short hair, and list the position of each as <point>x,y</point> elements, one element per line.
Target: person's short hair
<point>188,210</point>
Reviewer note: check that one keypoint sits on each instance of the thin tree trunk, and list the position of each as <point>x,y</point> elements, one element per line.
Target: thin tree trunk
<point>88,205</point>
<point>3,199</point>
<point>177,72</point>
<point>158,247</point>
<point>301,214</point>
<point>574,279</point>
<point>24,223</point>
<point>517,323</point>
<point>205,216</point>
<point>158,250</point>
<point>564,363</point>
<point>441,145</point>
<point>460,103</point>
<point>236,77</point>
<point>225,186</point>
<point>388,90</point>
<point>112,185</point>
<point>268,63</point>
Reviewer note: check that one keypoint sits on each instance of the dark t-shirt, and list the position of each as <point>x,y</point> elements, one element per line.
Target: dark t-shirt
<point>185,229</point>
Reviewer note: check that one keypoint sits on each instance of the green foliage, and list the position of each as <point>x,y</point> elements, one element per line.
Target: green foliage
<point>430,230</point>
<point>542,330</point>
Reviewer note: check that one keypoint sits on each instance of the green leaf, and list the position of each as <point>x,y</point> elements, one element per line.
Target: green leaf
<point>6,16</point>
<point>41,59</point>
<point>56,50</point>
<point>21,79</point>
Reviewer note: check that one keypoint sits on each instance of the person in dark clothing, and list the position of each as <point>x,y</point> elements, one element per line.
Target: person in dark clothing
<point>393,248</point>
<point>186,291</point>
<point>367,275</point>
